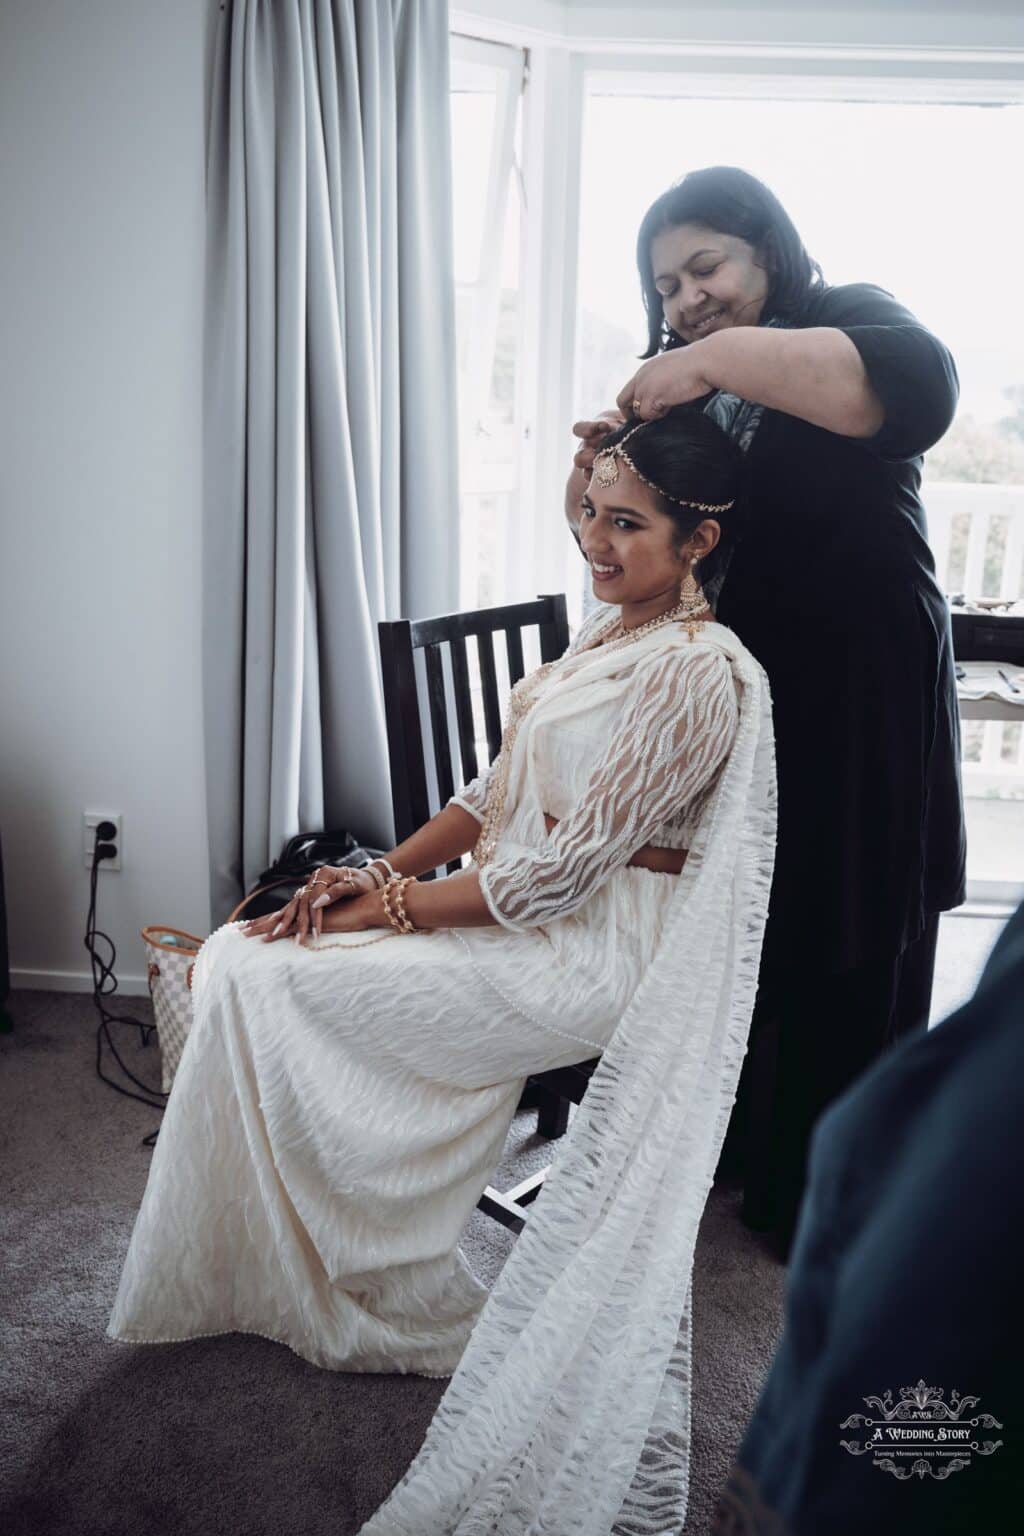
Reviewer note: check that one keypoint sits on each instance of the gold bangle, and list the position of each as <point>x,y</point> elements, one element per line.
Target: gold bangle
<point>385,897</point>
<point>376,875</point>
<point>408,926</point>
<point>397,915</point>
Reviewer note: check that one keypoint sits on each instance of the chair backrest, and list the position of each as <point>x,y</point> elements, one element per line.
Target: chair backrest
<point>407,747</point>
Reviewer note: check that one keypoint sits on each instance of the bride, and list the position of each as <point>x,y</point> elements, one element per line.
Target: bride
<point>355,1061</point>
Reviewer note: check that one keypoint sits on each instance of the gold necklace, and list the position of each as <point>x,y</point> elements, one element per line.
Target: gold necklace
<point>524,695</point>
<point>689,611</point>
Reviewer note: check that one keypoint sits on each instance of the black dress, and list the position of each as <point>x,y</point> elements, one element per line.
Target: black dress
<point>832,587</point>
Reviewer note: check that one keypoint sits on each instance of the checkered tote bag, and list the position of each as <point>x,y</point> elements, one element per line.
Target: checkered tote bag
<point>171,955</point>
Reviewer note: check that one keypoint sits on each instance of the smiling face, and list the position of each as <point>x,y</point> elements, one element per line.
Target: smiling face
<point>634,550</point>
<point>707,281</point>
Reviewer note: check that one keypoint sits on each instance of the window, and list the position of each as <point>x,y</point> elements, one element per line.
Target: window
<point>486,86</point>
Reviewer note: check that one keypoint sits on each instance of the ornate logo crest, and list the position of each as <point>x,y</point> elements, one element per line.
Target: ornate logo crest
<point>920,1435</point>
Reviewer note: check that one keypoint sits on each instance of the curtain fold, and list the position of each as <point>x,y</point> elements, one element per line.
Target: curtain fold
<point>330,479</point>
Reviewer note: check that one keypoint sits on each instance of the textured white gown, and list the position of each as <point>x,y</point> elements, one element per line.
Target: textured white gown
<point>338,1111</point>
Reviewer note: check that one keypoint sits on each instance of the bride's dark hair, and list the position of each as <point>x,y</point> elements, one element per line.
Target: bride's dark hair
<point>690,458</point>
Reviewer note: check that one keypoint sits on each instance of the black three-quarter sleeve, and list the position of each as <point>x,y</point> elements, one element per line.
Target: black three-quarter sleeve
<point>910,370</point>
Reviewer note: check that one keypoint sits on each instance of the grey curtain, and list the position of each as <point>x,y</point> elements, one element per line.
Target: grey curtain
<point>330,480</point>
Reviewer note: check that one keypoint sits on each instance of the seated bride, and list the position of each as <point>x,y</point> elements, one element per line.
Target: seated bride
<point>355,1060</point>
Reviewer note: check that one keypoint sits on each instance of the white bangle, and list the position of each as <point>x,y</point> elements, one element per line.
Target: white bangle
<point>392,873</point>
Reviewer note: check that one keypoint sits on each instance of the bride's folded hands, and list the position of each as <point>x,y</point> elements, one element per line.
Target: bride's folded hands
<point>301,915</point>
<point>350,912</point>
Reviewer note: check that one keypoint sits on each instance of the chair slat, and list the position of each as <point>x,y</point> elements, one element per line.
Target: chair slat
<point>489,679</point>
<point>464,709</point>
<point>405,741</point>
<point>514,650</point>
<point>554,628</point>
<point>439,722</point>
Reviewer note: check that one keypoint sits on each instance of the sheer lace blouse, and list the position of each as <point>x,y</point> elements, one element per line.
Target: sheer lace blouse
<point>638,768</point>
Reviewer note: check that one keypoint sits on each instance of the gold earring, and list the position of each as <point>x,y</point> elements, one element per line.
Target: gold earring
<point>690,587</point>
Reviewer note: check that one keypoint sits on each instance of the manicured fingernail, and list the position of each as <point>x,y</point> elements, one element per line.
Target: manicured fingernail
<point>277,930</point>
<point>321,901</point>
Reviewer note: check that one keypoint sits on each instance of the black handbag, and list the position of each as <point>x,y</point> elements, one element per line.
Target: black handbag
<point>301,857</point>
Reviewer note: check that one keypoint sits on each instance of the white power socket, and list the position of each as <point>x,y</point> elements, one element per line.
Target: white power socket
<point>90,821</point>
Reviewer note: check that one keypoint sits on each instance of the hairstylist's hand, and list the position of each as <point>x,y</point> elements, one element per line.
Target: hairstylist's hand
<point>671,378</point>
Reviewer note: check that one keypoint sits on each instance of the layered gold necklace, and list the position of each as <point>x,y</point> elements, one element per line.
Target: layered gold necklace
<point>690,610</point>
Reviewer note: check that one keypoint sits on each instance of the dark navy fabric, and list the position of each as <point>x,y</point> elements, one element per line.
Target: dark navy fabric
<point>907,1266</point>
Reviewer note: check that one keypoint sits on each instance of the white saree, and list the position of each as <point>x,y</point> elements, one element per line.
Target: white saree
<point>337,1112</point>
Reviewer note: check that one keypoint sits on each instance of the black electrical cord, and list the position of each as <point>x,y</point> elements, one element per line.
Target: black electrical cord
<point>104,984</point>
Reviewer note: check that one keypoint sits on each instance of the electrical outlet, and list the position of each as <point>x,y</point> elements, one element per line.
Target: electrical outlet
<point>90,821</point>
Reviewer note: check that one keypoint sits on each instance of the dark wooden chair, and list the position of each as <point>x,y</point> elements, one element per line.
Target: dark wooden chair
<point>422,705</point>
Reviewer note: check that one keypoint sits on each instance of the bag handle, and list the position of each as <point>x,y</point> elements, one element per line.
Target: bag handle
<point>259,891</point>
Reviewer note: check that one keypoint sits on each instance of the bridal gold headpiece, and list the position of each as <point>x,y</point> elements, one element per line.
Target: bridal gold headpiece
<point>606,471</point>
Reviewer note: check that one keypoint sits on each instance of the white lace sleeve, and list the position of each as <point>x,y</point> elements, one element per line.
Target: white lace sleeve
<point>473,796</point>
<point>677,725</point>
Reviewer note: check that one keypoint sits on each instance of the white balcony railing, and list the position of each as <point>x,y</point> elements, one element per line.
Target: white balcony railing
<point>976,533</point>
<point>977,536</point>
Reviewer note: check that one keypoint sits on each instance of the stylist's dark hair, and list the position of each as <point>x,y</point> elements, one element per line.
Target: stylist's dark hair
<point>690,457</point>
<point>733,202</point>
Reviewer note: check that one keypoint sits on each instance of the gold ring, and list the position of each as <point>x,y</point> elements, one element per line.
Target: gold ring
<point>636,407</point>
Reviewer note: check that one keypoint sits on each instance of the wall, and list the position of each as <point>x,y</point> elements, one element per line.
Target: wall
<point>102,122</point>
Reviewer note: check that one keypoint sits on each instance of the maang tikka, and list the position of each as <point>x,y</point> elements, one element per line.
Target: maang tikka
<point>605,472</point>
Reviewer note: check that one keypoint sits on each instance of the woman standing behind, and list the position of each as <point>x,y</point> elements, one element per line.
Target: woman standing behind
<point>834,394</point>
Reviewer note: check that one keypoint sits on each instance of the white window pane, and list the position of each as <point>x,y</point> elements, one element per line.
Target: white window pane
<point>485,186</point>
<point>472,115</point>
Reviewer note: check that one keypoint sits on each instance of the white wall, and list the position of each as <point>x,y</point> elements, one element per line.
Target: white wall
<point>102,123</point>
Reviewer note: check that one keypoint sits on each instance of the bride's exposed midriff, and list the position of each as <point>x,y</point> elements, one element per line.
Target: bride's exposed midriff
<point>663,861</point>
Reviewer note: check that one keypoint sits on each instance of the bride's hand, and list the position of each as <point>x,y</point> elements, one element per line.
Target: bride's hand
<point>591,435</point>
<point>304,913</point>
<point>329,885</point>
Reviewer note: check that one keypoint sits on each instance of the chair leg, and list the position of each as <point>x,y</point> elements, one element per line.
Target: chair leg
<point>553,1116</point>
